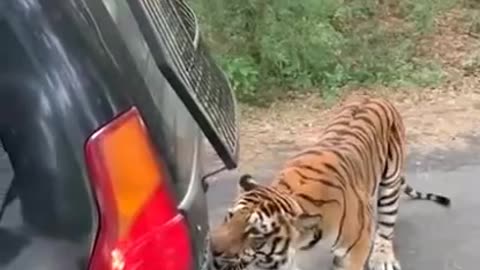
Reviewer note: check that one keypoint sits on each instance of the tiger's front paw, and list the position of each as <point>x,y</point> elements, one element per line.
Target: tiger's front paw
<point>338,263</point>
<point>383,256</point>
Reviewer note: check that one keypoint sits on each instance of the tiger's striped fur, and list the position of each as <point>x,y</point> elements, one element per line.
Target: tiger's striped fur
<point>345,191</point>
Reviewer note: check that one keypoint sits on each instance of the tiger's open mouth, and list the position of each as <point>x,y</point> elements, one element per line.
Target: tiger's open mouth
<point>228,263</point>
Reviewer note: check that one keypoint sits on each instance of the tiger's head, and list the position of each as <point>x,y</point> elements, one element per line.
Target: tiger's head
<point>261,229</point>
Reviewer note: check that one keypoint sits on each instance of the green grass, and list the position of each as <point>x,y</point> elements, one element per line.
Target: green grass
<point>271,47</point>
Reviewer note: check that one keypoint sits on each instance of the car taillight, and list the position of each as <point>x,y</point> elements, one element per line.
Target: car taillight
<point>140,227</point>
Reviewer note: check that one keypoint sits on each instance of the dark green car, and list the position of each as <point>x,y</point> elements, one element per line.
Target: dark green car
<point>105,108</point>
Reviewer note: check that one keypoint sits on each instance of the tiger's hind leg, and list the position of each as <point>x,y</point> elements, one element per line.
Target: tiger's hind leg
<point>383,256</point>
<point>391,187</point>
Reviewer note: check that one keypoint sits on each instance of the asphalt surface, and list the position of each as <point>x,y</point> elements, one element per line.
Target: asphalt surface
<point>428,236</point>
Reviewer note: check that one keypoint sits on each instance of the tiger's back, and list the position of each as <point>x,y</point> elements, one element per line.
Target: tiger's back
<point>365,138</point>
<point>357,166</point>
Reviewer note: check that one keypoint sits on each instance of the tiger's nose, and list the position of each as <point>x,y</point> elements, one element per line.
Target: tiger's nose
<point>221,246</point>
<point>215,252</point>
<point>218,249</point>
<point>216,242</point>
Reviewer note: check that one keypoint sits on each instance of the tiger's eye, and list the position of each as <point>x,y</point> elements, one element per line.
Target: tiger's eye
<point>228,216</point>
<point>254,231</point>
<point>258,242</point>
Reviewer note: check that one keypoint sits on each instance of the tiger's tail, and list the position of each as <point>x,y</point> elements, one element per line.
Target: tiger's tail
<point>418,195</point>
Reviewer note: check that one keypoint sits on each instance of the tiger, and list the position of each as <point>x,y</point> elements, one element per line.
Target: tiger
<point>344,191</point>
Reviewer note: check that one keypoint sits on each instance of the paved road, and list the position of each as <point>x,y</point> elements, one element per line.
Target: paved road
<point>429,237</point>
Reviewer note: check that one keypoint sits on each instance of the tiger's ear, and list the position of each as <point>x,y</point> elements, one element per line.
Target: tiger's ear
<point>306,221</point>
<point>247,183</point>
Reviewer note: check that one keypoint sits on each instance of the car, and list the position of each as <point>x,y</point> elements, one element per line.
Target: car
<point>105,108</point>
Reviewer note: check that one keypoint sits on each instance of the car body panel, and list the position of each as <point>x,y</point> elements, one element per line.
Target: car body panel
<point>68,67</point>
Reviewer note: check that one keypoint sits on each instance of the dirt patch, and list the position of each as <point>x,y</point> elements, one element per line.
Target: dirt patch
<point>435,118</point>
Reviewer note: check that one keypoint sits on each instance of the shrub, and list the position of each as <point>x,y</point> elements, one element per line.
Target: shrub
<point>269,47</point>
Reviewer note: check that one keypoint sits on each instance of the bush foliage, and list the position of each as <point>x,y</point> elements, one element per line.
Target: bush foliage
<point>269,47</point>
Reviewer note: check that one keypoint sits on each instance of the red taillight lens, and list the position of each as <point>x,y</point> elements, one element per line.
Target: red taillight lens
<point>140,227</point>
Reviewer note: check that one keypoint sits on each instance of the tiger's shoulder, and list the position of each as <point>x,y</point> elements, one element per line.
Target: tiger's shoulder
<point>362,103</point>
<point>349,127</point>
